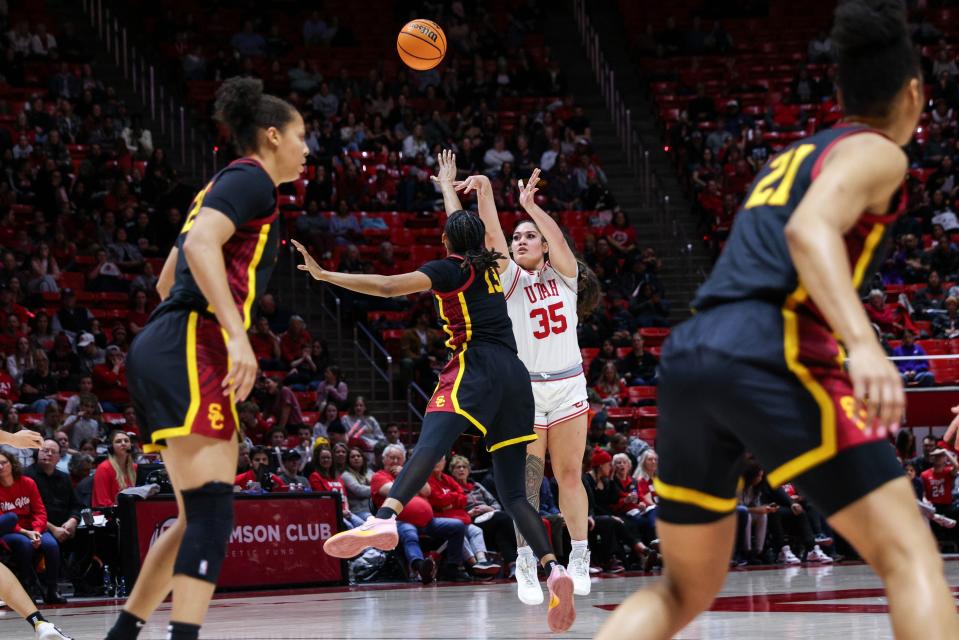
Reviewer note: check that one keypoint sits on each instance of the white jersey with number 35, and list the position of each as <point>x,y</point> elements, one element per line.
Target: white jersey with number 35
<point>542,308</point>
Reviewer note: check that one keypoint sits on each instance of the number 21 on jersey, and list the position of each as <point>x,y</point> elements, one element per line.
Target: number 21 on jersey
<point>773,190</point>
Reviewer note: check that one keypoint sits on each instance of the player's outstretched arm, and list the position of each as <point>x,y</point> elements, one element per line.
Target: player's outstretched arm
<point>23,439</point>
<point>445,177</point>
<point>860,174</point>
<point>560,255</point>
<point>486,203</point>
<point>374,285</point>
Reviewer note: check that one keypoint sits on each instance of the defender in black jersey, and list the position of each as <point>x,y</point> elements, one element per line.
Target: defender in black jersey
<point>483,386</point>
<point>193,360</point>
<point>762,365</point>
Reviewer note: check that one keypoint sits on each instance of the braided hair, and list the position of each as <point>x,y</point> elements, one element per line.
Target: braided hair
<point>467,235</point>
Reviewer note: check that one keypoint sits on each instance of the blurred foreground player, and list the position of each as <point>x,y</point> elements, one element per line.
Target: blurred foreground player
<point>809,233</point>
<point>193,360</point>
<point>11,592</point>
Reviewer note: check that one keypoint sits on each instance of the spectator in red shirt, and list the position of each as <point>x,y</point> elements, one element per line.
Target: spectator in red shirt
<point>938,481</point>
<point>385,262</point>
<point>23,525</point>
<point>110,381</point>
<point>252,425</point>
<point>882,316</point>
<point>417,516</point>
<point>260,473</point>
<point>116,473</point>
<point>294,339</point>
<point>266,346</point>
<point>8,389</point>
<point>610,387</point>
<point>628,503</point>
<point>449,501</point>
<point>139,311</point>
<point>646,470</point>
<point>324,478</point>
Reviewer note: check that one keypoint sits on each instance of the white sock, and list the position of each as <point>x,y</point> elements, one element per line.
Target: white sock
<point>526,552</point>
<point>579,547</point>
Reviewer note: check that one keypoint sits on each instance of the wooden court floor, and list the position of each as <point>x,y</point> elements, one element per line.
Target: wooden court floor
<point>823,602</point>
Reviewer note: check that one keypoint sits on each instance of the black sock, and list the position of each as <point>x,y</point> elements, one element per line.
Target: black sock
<point>183,631</point>
<point>127,627</point>
<point>385,513</point>
<point>35,618</point>
<point>548,566</point>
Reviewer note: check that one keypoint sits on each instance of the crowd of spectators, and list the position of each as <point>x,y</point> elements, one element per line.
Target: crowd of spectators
<point>732,109</point>
<point>90,206</point>
<point>374,130</point>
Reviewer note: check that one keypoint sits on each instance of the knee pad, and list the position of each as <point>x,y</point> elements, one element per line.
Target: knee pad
<point>209,524</point>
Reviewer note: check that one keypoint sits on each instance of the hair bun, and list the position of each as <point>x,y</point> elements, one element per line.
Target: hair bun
<point>237,101</point>
<point>862,26</point>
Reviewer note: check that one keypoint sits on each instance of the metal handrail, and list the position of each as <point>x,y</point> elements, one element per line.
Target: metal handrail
<point>637,154</point>
<point>411,409</point>
<point>369,354</point>
<point>166,110</point>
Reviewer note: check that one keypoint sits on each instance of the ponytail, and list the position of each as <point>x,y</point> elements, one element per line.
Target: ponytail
<point>588,290</point>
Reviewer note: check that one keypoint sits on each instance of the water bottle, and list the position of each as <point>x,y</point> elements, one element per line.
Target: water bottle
<point>122,587</point>
<point>107,582</point>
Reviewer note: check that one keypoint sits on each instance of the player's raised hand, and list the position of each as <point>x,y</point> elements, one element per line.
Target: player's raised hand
<point>26,439</point>
<point>953,429</point>
<point>478,183</point>
<point>446,163</point>
<point>309,264</point>
<point>877,385</point>
<point>527,192</point>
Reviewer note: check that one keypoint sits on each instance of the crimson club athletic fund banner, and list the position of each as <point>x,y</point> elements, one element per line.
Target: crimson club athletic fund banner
<point>277,540</point>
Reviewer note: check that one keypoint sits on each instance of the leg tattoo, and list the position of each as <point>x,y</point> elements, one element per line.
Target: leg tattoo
<point>535,469</point>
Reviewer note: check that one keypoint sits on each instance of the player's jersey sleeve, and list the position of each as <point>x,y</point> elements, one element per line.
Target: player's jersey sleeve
<point>242,193</point>
<point>510,277</point>
<point>445,275</point>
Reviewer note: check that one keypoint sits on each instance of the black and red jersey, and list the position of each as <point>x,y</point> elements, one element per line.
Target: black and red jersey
<point>756,263</point>
<point>470,304</point>
<point>245,193</point>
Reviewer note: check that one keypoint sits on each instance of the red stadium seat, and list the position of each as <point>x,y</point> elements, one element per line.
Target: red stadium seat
<point>654,336</point>
<point>647,417</point>
<point>934,347</point>
<point>646,435</point>
<point>641,394</point>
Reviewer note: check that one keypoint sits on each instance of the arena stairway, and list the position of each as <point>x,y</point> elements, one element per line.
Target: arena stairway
<point>685,261</point>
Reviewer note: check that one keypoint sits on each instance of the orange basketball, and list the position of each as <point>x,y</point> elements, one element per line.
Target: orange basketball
<point>421,44</point>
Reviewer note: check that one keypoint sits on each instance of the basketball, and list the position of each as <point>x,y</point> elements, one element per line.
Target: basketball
<point>421,44</point>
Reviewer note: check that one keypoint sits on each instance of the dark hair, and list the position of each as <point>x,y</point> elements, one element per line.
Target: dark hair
<point>15,465</point>
<point>330,473</point>
<point>467,234</point>
<point>243,107</point>
<point>588,289</point>
<point>875,54</point>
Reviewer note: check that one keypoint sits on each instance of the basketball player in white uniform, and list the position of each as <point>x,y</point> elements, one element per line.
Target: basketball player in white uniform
<point>541,296</point>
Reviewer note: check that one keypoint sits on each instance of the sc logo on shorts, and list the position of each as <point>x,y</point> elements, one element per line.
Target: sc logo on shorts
<point>215,416</point>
